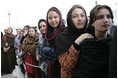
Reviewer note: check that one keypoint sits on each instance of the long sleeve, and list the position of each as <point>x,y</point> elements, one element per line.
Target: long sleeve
<point>68,61</point>
<point>37,50</point>
<point>46,52</point>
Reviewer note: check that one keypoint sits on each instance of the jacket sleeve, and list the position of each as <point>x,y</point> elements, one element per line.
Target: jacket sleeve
<point>46,52</point>
<point>68,59</point>
<point>37,50</point>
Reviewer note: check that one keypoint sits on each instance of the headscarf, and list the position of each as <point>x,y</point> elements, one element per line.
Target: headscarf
<point>7,35</point>
<point>50,30</point>
<point>67,38</point>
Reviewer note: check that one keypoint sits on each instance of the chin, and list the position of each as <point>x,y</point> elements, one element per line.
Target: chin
<point>80,27</point>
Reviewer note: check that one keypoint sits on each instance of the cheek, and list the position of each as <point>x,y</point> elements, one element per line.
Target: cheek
<point>33,33</point>
<point>49,21</point>
<point>95,24</point>
<point>74,21</point>
<point>110,22</point>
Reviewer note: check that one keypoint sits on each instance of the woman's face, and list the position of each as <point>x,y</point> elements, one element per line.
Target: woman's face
<point>25,30</point>
<point>9,30</point>
<point>53,19</point>
<point>103,20</point>
<point>42,27</point>
<point>32,32</point>
<point>78,18</point>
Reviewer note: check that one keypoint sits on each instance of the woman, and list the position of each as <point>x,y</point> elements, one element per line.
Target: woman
<point>9,56</point>
<point>65,47</point>
<point>42,43</point>
<point>25,29</point>
<point>94,52</point>
<point>29,48</point>
<point>54,26</point>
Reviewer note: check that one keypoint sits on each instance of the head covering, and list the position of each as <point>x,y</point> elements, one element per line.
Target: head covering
<point>8,35</point>
<point>41,20</point>
<point>50,34</point>
<point>67,38</point>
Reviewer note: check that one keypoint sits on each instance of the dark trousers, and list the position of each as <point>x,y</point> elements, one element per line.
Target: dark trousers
<point>22,69</point>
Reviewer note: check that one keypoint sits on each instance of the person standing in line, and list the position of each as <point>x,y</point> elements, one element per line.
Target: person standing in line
<point>54,26</point>
<point>25,29</point>
<point>5,31</point>
<point>8,52</point>
<point>93,60</point>
<point>25,34</point>
<point>65,47</point>
<point>29,48</point>
<point>18,51</point>
<point>42,43</point>
<point>17,32</point>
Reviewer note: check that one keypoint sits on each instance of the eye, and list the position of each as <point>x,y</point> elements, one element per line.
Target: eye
<point>108,16</point>
<point>49,17</point>
<point>74,16</point>
<point>44,25</point>
<point>55,17</point>
<point>82,15</point>
<point>99,17</point>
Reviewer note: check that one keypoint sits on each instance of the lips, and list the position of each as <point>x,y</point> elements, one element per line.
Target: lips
<point>106,25</point>
<point>80,23</point>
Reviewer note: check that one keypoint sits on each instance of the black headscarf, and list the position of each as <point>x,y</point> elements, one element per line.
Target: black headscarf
<point>67,38</point>
<point>49,29</point>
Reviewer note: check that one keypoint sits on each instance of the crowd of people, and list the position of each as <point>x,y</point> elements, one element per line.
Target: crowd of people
<point>82,49</point>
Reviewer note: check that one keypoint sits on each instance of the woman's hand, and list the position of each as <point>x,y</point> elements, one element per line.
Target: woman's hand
<point>82,37</point>
<point>38,58</point>
<point>5,49</point>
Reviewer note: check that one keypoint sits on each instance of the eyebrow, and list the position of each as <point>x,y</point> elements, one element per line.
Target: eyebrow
<point>77,14</point>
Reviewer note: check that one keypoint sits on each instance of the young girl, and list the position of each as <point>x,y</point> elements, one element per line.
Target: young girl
<point>54,26</point>
<point>29,48</point>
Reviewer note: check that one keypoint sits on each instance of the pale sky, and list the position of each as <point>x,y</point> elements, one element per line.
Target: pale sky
<point>28,12</point>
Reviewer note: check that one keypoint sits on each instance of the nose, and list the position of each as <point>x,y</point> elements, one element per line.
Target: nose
<point>42,27</point>
<point>79,18</point>
<point>105,19</point>
<point>53,19</point>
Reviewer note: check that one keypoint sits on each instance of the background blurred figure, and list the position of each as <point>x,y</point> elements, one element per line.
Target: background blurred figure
<point>18,31</point>
<point>42,43</point>
<point>5,31</point>
<point>25,29</point>
<point>18,51</point>
<point>29,49</point>
<point>9,56</point>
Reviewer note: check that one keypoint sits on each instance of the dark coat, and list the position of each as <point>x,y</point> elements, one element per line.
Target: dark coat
<point>93,59</point>
<point>8,59</point>
<point>113,56</point>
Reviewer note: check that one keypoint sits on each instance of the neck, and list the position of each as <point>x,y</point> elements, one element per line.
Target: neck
<point>101,35</point>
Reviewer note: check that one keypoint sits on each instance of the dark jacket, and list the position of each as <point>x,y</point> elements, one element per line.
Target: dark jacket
<point>45,51</point>
<point>113,56</point>
<point>112,29</point>
<point>93,59</point>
